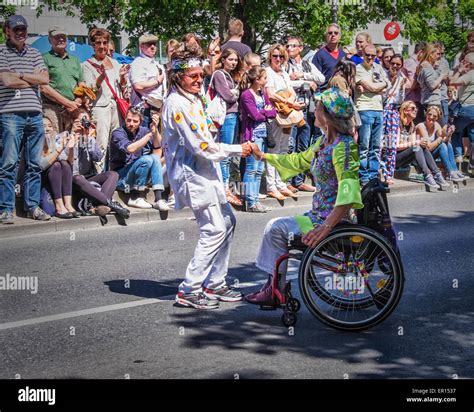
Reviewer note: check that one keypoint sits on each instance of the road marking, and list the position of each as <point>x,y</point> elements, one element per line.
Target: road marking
<point>84,312</point>
<point>108,308</point>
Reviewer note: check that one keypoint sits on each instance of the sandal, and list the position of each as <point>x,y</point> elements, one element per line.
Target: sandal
<point>288,193</point>
<point>233,199</point>
<point>276,194</point>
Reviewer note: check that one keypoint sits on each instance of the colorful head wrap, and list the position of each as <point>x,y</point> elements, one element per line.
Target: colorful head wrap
<point>183,64</point>
<point>336,102</point>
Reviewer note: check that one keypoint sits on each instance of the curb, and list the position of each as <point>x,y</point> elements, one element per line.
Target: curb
<point>24,227</point>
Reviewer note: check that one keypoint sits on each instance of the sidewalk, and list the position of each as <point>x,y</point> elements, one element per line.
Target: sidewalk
<point>24,226</point>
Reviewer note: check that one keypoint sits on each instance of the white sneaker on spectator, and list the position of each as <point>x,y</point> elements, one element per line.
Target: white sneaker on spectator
<point>140,203</point>
<point>262,196</point>
<point>161,205</point>
<point>171,201</point>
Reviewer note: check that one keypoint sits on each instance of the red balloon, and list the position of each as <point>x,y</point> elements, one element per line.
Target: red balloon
<point>391,30</point>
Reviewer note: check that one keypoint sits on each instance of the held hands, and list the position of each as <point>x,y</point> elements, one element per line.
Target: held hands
<point>246,149</point>
<point>256,152</point>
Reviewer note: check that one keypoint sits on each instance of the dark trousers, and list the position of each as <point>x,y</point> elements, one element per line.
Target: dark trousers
<point>59,179</point>
<point>107,180</point>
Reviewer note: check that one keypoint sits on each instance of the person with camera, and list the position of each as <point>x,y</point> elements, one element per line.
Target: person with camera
<point>305,78</point>
<point>56,163</point>
<point>147,78</point>
<point>463,78</point>
<point>129,157</point>
<point>256,110</point>
<point>85,177</point>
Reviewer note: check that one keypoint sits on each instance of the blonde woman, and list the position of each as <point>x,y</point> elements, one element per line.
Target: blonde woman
<point>428,78</point>
<point>278,79</point>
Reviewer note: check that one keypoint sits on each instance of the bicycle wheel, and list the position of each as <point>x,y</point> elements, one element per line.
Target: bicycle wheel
<point>352,280</point>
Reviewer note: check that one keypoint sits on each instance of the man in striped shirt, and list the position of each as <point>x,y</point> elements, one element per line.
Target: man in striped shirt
<point>22,71</point>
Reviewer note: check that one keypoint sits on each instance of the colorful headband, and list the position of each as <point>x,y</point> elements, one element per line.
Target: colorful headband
<point>183,64</point>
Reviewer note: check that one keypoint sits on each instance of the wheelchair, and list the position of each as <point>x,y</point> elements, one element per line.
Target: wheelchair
<point>353,279</point>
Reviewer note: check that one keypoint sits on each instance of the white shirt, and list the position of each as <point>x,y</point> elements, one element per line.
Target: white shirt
<point>191,153</point>
<point>279,81</point>
<point>144,69</point>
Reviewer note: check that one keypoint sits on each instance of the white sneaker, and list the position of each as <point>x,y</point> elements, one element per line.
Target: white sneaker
<point>171,201</point>
<point>262,196</point>
<point>161,205</point>
<point>139,202</point>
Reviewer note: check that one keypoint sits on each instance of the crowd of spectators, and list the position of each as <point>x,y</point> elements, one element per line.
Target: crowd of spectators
<point>73,133</point>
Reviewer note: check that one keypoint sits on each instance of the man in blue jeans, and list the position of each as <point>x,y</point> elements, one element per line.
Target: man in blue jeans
<point>372,83</point>
<point>22,71</point>
<point>128,157</point>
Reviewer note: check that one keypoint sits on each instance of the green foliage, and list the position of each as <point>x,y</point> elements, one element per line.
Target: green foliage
<point>270,21</point>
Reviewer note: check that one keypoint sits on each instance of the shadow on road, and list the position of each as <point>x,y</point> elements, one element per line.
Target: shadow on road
<point>143,288</point>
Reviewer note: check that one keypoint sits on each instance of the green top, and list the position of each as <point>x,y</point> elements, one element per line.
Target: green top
<point>64,73</point>
<point>335,167</point>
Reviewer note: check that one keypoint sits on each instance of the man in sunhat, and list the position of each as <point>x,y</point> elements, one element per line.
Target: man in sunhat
<point>148,78</point>
<point>65,73</point>
<point>22,72</point>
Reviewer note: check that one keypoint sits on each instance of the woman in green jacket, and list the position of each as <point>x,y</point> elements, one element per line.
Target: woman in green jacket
<point>333,161</point>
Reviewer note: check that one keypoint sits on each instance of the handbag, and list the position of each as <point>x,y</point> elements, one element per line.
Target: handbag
<point>122,104</point>
<point>456,106</point>
<point>216,107</point>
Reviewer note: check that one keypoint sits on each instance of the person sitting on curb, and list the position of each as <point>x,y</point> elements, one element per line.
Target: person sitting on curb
<point>86,153</point>
<point>56,163</point>
<point>135,168</point>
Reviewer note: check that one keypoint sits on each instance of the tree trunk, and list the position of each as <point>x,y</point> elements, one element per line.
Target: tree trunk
<point>224,17</point>
<point>250,37</point>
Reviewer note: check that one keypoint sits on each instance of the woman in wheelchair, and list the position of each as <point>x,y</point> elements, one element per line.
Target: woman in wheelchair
<point>334,163</point>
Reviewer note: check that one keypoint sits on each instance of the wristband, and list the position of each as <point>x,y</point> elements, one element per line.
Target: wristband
<point>156,147</point>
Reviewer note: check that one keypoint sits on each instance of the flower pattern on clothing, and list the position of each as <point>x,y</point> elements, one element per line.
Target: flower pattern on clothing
<point>326,183</point>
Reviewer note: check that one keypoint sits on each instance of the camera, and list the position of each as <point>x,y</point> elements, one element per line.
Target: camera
<point>86,123</point>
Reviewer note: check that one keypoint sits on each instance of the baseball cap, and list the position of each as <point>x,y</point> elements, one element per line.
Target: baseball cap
<point>336,102</point>
<point>147,38</point>
<point>54,31</point>
<point>15,21</point>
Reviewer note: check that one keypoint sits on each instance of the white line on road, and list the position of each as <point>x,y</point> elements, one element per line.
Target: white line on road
<point>102,309</point>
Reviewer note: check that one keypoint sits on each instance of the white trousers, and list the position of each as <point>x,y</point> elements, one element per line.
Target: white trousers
<point>278,234</point>
<point>210,262</point>
<point>108,120</point>
<point>274,181</point>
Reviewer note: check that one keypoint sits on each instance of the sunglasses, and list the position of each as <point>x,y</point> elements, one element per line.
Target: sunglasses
<point>19,29</point>
<point>371,56</point>
<point>396,64</point>
<point>278,56</point>
<point>101,43</point>
<point>414,109</point>
<point>150,44</point>
<point>195,76</point>
<point>332,32</point>
<point>292,45</point>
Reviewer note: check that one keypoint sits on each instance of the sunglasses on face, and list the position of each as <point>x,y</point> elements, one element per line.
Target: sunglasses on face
<point>19,29</point>
<point>371,56</point>
<point>333,32</point>
<point>195,76</point>
<point>413,109</point>
<point>149,44</point>
<point>278,56</point>
<point>396,64</point>
<point>101,43</point>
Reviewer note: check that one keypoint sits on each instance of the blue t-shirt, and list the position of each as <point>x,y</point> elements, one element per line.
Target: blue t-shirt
<point>358,60</point>
<point>121,139</point>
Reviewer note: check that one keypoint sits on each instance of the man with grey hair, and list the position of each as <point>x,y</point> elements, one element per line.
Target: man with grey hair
<point>328,56</point>
<point>65,73</point>
<point>147,78</point>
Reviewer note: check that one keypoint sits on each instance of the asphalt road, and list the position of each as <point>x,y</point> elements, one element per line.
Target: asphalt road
<point>104,306</point>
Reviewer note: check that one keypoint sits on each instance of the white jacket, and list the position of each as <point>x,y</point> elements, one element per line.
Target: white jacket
<point>191,154</point>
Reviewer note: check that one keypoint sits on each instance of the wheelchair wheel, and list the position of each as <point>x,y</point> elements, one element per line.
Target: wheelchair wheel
<point>352,280</point>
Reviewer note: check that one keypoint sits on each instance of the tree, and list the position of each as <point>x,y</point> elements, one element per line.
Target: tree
<point>266,22</point>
